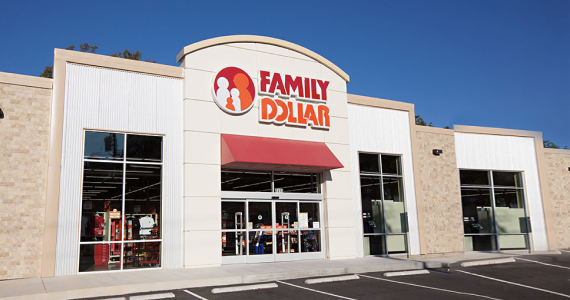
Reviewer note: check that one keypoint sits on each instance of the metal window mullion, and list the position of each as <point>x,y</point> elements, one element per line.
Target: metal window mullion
<point>490,174</point>
<point>123,215</point>
<point>383,214</point>
<point>526,214</point>
<point>247,227</point>
<point>273,229</point>
<point>298,229</point>
<point>116,161</point>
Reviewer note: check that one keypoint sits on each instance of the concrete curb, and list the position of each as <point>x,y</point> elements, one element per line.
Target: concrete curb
<point>242,288</point>
<point>406,273</point>
<point>487,262</point>
<point>331,279</point>
<point>152,296</point>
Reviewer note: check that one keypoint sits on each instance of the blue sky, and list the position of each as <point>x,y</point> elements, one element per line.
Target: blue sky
<point>494,63</point>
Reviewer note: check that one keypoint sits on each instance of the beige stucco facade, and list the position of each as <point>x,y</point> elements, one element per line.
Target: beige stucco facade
<point>24,134</point>
<point>204,122</point>
<point>558,169</point>
<point>439,181</point>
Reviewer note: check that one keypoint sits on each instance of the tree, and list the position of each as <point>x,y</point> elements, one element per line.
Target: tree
<point>549,144</point>
<point>421,122</point>
<point>127,54</point>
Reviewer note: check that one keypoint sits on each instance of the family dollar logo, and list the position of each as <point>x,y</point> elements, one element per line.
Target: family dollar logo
<point>233,90</point>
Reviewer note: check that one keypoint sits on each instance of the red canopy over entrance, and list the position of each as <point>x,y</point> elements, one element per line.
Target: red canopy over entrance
<point>262,153</point>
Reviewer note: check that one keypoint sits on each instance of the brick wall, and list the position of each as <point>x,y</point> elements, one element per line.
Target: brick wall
<point>557,165</point>
<point>439,193</point>
<point>24,134</point>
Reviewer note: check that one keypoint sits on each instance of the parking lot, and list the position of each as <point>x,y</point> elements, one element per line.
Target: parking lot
<point>529,277</point>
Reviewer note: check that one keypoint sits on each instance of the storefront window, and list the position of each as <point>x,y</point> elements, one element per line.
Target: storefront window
<point>121,202</point>
<point>246,181</point>
<point>383,209</point>
<point>267,181</point>
<point>494,215</point>
<point>296,182</point>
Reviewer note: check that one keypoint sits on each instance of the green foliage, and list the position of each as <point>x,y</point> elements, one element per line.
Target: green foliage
<point>549,144</point>
<point>446,127</point>
<point>421,122</point>
<point>127,54</point>
<point>48,72</point>
<point>86,48</point>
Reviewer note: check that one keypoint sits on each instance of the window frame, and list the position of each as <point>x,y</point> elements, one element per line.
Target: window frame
<point>124,162</point>
<point>380,175</point>
<point>491,187</point>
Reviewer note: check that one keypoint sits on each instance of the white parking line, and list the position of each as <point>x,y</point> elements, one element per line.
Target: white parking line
<point>431,288</point>
<point>195,295</point>
<point>517,284</point>
<point>316,291</point>
<point>539,262</point>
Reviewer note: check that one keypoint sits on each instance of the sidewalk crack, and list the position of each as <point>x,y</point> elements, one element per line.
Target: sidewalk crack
<point>43,284</point>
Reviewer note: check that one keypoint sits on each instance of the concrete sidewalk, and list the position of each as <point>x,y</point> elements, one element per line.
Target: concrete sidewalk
<point>108,284</point>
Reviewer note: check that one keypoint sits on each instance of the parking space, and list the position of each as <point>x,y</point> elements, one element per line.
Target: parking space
<point>530,277</point>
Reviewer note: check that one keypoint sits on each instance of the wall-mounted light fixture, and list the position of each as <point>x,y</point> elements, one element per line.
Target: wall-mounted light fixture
<point>437,152</point>
<point>1,114</point>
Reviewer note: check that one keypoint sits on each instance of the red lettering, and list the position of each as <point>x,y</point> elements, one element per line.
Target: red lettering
<point>264,81</point>
<point>291,118</point>
<point>314,93</point>
<point>300,116</point>
<point>310,114</point>
<point>324,119</point>
<point>277,83</point>
<point>307,88</point>
<point>323,85</point>
<point>283,116</point>
<point>294,85</point>
<point>265,103</point>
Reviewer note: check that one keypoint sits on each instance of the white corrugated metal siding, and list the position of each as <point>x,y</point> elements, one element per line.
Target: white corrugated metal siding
<point>387,131</point>
<point>507,153</point>
<point>113,100</point>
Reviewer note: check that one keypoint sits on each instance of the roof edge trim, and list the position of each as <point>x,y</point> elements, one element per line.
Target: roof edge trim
<point>497,131</point>
<point>26,80</point>
<point>262,40</point>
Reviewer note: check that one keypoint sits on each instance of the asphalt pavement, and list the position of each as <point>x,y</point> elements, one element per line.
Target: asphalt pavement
<point>529,277</point>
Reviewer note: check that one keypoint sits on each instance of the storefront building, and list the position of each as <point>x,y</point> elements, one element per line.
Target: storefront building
<point>252,151</point>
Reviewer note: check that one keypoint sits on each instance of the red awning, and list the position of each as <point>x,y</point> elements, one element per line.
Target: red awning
<point>262,153</point>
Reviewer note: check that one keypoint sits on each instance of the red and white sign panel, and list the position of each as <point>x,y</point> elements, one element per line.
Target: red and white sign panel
<point>284,99</point>
<point>233,90</point>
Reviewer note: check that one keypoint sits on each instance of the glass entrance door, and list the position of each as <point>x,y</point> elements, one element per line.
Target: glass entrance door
<point>260,232</point>
<point>256,231</point>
